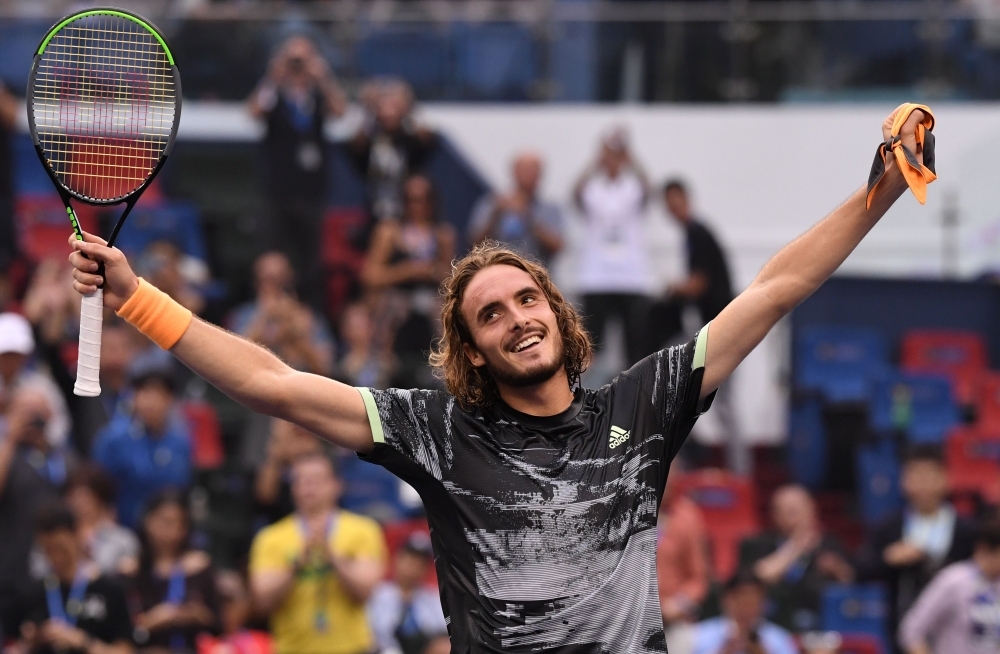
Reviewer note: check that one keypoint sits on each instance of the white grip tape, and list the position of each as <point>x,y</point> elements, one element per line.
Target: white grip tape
<point>88,362</point>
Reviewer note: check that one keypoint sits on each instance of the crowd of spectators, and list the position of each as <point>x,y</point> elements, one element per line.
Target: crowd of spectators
<point>104,522</point>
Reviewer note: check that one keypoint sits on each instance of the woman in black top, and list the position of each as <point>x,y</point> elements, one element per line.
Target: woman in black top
<point>172,594</point>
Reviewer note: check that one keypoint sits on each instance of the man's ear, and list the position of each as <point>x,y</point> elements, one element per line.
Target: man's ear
<point>475,357</point>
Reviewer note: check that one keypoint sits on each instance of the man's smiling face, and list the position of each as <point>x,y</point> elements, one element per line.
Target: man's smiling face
<point>514,330</point>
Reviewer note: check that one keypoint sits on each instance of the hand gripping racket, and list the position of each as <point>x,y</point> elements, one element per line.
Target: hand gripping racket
<point>104,101</point>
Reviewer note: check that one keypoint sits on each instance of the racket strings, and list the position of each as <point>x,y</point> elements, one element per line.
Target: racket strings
<point>104,101</point>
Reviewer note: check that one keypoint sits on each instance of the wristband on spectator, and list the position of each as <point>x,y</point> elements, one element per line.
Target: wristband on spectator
<point>156,315</point>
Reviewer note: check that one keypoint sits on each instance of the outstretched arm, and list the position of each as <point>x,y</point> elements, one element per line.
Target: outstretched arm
<point>244,371</point>
<point>800,268</point>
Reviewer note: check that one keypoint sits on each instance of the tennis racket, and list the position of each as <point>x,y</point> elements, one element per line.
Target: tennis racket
<point>104,101</point>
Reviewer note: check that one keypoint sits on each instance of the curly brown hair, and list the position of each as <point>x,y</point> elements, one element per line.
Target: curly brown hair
<point>474,387</point>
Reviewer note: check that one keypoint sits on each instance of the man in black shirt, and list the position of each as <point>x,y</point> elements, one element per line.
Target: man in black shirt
<point>294,99</point>
<point>542,496</point>
<point>75,608</point>
<point>708,288</point>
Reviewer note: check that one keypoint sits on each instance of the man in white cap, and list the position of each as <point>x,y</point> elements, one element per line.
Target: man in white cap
<point>17,344</point>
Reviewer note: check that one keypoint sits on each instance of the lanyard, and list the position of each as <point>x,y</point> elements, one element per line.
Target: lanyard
<point>52,467</point>
<point>321,622</point>
<point>74,602</point>
<point>176,590</point>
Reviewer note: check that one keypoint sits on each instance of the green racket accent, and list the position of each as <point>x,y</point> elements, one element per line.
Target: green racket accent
<point>107,12</point>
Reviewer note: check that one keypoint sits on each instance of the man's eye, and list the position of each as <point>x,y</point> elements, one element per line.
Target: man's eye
<point>528,299</point>
<point>491,315</point>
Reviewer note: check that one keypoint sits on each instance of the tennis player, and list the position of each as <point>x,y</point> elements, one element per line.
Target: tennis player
<point>542,496</point>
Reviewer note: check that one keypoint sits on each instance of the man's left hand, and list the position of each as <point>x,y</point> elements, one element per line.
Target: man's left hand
<point>908,132</point>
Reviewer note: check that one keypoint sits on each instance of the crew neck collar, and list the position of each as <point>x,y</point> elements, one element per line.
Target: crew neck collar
<point>544,421</point>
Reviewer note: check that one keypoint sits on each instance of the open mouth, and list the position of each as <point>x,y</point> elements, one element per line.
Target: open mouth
<point>527,343</point>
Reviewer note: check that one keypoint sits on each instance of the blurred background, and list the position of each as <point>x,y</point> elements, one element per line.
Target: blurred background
<point>335,155</point>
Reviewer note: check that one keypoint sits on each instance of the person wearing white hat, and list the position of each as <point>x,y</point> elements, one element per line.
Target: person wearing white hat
<point>17,344</point>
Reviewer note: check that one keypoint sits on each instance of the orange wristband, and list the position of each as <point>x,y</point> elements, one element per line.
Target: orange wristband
<point>156,315</point>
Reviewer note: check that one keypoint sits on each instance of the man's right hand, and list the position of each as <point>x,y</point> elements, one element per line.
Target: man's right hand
<point>119,280</point>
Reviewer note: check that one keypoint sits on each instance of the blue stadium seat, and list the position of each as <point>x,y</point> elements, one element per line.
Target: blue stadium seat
<point>807,442</point>
<point>495,61</point>
<point>877,472</point>
<point>922,405</point>
<point>373,491</point>
<point>856,609</point>
<point>422,57</point>
<point>173,221</point>
<point>838,361</point>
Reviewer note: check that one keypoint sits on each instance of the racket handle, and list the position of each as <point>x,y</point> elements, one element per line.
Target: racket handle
<point>88,362</point>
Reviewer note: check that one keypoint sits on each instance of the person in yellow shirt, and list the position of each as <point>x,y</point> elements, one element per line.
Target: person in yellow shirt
<point>313,571</point>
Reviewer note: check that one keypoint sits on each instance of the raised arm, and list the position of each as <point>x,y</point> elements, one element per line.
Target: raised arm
<point>244,371</point>
<point>799,268</point>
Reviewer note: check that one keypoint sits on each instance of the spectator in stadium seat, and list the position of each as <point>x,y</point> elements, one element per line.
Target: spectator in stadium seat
<point>161,264</point>
<point>294,99</point>
<point>171,586</point>
<point>909,548</point>
<point>682,563</point>
<point>146,447</point>
<point>367,359</point>
<point>76,608</point>
<point>406,263</point>
<point>17,345</point>
<point>90,493</point>
<point>32,473</point>
<point>313,571</point>
<point>796,560</point>
<point>614,275</point>
<point>742,629</point>
<point>959,610</point>
<point>9,109</point>
<point>405,614</point>
<point>390,146</point>
<point>277,320</point>
<point>272,484</point>
<point>520,219</point>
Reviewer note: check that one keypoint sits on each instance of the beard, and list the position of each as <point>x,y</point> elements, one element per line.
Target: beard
<point>504,373</point>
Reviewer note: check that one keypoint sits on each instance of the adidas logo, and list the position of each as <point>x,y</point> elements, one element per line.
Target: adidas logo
<point>617,437</point>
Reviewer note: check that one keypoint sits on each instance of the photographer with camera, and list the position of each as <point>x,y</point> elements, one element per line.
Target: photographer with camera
<point>294,100</point>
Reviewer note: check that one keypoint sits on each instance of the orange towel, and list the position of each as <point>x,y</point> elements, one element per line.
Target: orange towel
<point>917,175</point>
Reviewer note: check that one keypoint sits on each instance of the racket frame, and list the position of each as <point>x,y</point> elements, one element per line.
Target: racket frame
<point>92,309</point>
<point>64,191</point>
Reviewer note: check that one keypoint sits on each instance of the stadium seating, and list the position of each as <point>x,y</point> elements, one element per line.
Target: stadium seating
<point>43,227</point>
<point>973,461</point>
<point>838,361</point>
<point>166,220</point>
<point>729,503</point>
<point>861,644</point>
<point>807,451</point>
<point>495,61</point>
<point>207,452</point>
<point>920,405</point>
<point>878,470</point>
<point>857,609</point>
<point>988,404</point>
<point>421,56</point>
<point>959,355</point>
